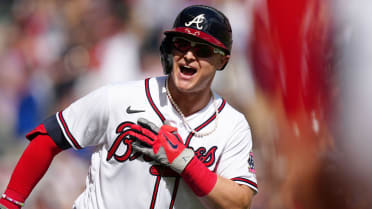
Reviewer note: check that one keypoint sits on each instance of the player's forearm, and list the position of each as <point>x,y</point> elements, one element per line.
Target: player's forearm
<point>228,194</point>
<point>213,190</point>
<point>32,165</point>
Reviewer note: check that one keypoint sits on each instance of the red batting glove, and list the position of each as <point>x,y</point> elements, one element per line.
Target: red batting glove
<point>163,145</point>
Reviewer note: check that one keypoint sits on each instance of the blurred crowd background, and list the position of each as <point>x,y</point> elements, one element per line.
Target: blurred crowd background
<point>300,71</point>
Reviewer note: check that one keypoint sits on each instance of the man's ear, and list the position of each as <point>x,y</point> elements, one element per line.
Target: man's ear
<point>223,61</point>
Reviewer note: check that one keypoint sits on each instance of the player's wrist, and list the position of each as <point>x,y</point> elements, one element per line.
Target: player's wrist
<point>182,160</point>
<point>8,202</point>
<point>11,199</point>
<point>198,177</point>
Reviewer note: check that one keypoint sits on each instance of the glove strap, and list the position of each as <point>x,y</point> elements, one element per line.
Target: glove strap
<point>199,178</point>
<point>182,160</point>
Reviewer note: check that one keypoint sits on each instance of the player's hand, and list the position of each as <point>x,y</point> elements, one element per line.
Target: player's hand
<point>164,144</point>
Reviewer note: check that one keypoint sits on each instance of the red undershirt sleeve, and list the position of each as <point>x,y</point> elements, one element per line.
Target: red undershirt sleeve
<point>31,167</point>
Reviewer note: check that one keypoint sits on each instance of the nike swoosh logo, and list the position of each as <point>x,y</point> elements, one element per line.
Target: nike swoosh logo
<point>131,111</point>
<point>174,146</point>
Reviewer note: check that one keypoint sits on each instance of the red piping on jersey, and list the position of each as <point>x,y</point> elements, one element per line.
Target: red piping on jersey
<point>156,189</point>
<point>67,130</point>
<point>162,118</point>
<point>148,94</point>
<point>175,189</point>
<point>246,181</point>
<point>220,108</point>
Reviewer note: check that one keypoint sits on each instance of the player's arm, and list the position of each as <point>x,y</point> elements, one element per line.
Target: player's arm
<point>236,164</point>
<point>83,120</point>
<point>215,191</point>
<point>165,146</point>
<point>43,147</point>
<point>228,194</point>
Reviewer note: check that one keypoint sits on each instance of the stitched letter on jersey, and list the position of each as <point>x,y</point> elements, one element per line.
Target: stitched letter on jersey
<point>123,131</point>
<point>121,150</point>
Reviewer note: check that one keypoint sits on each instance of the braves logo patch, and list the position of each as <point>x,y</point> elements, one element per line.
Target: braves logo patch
<point>198,20</point>
<point>251,163</point>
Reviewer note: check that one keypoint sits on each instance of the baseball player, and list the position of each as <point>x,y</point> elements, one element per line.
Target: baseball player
<point>164,142</point>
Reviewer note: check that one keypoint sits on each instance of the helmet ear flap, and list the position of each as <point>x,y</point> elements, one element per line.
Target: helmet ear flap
<point>166,55</point>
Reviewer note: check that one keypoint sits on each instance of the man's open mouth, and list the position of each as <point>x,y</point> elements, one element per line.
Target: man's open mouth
<point>187,70</point>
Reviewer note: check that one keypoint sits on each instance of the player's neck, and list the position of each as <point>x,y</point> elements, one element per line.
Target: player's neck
<point>190,103</point>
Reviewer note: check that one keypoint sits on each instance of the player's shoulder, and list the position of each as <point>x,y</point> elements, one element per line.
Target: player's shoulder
<point>233,117</point>
<point>231,111</point>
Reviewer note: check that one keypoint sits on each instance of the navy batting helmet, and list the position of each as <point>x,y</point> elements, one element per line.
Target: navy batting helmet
<point>201,22</point>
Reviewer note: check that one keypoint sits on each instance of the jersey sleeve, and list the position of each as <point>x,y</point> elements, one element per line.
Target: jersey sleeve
<point>236,162</point>
<point>55,132</point>
<point>84,122</point>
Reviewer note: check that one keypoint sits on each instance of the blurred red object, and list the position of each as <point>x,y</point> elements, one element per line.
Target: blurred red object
<point>291,52</point>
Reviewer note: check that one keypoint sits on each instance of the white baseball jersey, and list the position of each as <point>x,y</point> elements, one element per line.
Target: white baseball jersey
<point>121,178</point>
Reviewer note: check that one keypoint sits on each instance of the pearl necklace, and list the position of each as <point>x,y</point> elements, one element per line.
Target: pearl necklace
<point>196,133</point>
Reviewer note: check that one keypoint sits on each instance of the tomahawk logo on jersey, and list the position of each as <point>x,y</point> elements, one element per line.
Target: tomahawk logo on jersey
<point>115,166</point>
